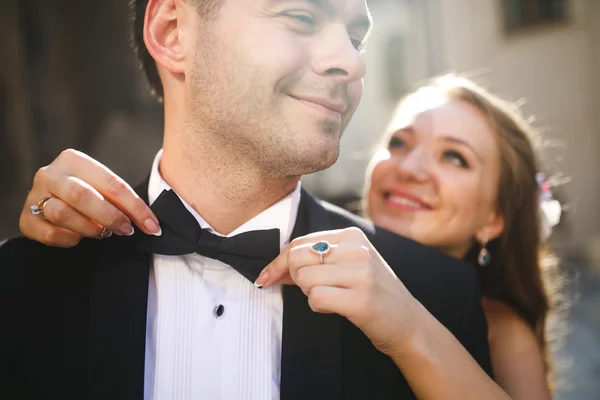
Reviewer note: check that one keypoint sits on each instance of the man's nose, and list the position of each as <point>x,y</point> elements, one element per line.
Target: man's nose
<point>336,55</point>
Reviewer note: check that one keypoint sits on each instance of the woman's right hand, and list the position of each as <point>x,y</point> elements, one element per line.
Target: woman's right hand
<point>86,197</point>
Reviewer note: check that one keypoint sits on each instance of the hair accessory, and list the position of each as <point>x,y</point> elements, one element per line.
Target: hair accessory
<point>550,208</point>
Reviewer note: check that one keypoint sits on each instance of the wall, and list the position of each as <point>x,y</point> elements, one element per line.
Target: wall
<point>594,22</point>
<point>65,81</point>
<point>16,161</point>
<point>551,68</point>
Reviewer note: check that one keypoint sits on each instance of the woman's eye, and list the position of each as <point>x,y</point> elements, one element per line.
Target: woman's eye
<point>456,158</point>
<point>396,143</point>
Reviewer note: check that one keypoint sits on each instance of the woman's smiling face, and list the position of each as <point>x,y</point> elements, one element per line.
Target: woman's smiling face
<point>437,181</point>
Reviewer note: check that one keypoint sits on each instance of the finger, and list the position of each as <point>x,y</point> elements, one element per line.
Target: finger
<point>44,232</point>
<point>352,234</point>
<point>334,300</point>
<point>278,271</point>
<point>86,200</point>
<point>311,276</point>
<point>126,199</point>
<point>114,189</point>
<point>340,253</point>
<point>61,215</point>
<point>275,271</point>
<point>346,253</point>
<point>51,181</point>
<point>28,221</point>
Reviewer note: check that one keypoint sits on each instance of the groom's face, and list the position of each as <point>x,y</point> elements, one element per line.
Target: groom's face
<point>277,81</point>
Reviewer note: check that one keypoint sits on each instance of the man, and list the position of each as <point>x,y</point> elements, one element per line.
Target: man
<point>256,94</point>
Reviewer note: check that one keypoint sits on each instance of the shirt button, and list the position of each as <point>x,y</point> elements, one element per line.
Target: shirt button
<point>219,310</point>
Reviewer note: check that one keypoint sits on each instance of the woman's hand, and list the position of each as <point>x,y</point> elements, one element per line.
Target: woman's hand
<point>86,197</point>
<point>353,281</point>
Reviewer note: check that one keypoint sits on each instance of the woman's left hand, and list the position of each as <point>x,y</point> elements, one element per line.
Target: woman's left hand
<point>353,281</point>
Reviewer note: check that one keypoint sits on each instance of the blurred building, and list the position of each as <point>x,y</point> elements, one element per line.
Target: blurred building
<point>547,55</point>
<point>68,79</point>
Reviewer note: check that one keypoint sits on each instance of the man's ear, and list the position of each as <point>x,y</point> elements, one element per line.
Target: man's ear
<point>162,33</point>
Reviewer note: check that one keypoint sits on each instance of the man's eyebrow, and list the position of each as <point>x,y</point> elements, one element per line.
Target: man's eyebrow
<point>320,3</point>
<point>363,21</point>
<point>324,4</point>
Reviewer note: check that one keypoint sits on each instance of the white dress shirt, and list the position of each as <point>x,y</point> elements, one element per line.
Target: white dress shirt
<point>191,352</point>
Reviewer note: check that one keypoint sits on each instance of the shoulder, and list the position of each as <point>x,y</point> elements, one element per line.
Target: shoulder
<point>26,265</point>
<point>22,251</point>
<point>441,283</point>
<point>509,333</point>
<point>341,218</point>
<point>403,253</point>
<point>516,354</point>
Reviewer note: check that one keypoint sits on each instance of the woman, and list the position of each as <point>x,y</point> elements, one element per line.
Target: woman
<point>458,173</point>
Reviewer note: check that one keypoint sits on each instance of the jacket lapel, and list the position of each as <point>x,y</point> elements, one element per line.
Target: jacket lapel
<point>118,308</point>
<point>311,344</point>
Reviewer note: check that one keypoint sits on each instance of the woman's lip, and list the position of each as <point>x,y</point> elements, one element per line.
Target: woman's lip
<point>405,201</point>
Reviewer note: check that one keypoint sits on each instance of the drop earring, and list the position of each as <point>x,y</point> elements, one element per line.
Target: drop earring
<point>484,256</point>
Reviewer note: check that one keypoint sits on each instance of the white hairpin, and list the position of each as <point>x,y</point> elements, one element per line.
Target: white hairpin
<point>550,208</point>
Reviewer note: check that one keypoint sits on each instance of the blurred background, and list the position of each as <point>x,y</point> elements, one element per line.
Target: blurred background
<point>68,79</point>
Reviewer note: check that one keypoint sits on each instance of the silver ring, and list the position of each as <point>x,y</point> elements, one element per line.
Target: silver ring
<point>105,233</point>
<point>321,248</point>
<point>38,209</point>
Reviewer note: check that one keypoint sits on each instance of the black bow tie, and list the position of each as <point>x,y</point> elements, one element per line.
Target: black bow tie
<point>248,253</point>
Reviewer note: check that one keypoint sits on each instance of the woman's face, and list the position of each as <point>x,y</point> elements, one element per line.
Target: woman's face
<point>437,183</point>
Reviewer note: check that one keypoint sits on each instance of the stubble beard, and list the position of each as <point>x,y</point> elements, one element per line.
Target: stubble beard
<point>245,125</point>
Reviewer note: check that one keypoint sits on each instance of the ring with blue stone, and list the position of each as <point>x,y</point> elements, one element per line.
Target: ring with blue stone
<point>321,248</point>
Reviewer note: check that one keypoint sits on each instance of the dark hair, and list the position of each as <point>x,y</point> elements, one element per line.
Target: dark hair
<point>522,272</point>
<point>137,11</point>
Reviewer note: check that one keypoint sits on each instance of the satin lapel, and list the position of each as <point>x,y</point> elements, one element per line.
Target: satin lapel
<point>311,344</point>
<point>118,308</point>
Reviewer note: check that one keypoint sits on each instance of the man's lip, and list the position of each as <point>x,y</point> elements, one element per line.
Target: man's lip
<point>409,196</point>
<point>337,106</point>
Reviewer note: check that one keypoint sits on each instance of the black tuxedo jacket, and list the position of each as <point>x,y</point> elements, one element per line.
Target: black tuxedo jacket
<point>73,321</point>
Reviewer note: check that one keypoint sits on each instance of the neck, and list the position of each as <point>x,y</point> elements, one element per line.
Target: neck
<point>224,189</point>
<point>459,252</point>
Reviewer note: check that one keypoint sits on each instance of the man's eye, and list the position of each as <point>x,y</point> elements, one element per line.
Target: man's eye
<point>396,143</point>
<point>303,18</point>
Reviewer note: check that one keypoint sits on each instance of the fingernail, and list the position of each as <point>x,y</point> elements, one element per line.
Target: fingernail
<point>153,227</point>
<point>126,229</point>
<point>262,279</point>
